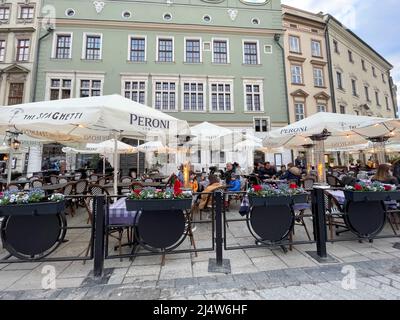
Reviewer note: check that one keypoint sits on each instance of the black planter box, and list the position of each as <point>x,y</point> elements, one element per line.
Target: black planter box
<point>33,209</point>
<point>158,204</point>
<point>371,196</point>
<point>277,200</point>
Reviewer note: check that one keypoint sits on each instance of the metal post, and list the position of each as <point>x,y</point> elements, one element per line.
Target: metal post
<point>319,226</point>
<point>219,265</point>
<point>99,218</point>
<point>219,198</point>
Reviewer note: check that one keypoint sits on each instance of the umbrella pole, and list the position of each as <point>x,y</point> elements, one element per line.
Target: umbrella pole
<point>104,164</point>
<point>10,159</point>
<point>115,166</point>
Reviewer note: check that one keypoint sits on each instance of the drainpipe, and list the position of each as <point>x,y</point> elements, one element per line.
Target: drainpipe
<point>330,66</point>
<point>392,94</point>
<point>277,38</point>
<point>36,65</point>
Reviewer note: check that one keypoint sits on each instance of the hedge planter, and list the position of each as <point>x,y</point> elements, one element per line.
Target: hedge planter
<point>354,196</point>
<point>158,204</point>
<point>277,200</point>
<point>33,231</point>
<point>33,209</point>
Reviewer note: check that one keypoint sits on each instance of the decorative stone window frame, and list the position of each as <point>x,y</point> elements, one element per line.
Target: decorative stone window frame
<point>268,119</point>
<point>21,20</point>
<point>299,96</point>
<point>320,48</point>
<point>228,57</point>
<point>59,75</point>
<point>4,38</point>
<point>202,80</point>
<point>221,80</point>
<point>85,36</point>
<point>257,42</point>
<point>160,37</point>
<point>9,7</point>
<point>201,49</point>
<point>134,78</point>
<point>168,79</point>
<point>22,36</point>
<point>55,40</point>
<point>130,37</point>
<point>88,76</point>
<point>259,82</point>
<point>290,49</point>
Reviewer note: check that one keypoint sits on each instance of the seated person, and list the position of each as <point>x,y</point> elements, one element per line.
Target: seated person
<point>194,185</point>
<point>293,173</point>
<point>384,175</point>
<point>213,185</point>
<point>281,172</point>
<point>270,171</point>
<point>234,185</point>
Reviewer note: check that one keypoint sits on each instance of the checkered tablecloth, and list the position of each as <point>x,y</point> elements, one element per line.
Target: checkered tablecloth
<point>118,215</point>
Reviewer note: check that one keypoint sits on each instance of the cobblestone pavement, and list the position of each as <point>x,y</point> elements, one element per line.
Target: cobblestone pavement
<point>378,279</point>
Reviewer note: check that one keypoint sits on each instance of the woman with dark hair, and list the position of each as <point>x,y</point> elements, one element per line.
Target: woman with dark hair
<point>384,175</point>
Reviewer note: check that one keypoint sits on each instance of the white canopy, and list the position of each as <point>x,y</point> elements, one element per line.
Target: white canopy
<point>106,147</point>
<point>92,119</point>
<point>346,130</point>
<point>88,119</point>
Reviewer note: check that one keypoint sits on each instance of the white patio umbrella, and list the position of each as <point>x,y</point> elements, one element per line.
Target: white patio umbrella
<point>93,119</point>
<point>103,148</point>
<point>332,130</point>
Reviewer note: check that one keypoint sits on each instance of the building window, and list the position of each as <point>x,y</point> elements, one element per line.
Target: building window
<point>356,112</point>
<point>193,96</point>
<point>294,44</point>
<point>165,95</point>
<point>261,125</point>
<point>4,13</point>
<point>60,89</point>
<point>297,74</point>
<point>253,97</point>
<point>321,108</point>
<point>336,46</point>
<point>165,50</point>
<point>93,47</point>
<point>318,77</point>
<point>63,46</point>
<point>383,78</point>
<point>364,67</point>
<point>366,89</point>
<point>137,49</point>
<point>23,46</point>
<point>250,52</point>
<point>2,50</point>
<point>16,93</point>
<point>193,51</point>
<point>299,111</point>
<point>351,56</point>
<point>387,103</point>
<point>377,98</point>
<point>342,109</point>
<point>374,72</point>
<point>221,97</point>
<point>316,48</point>
<point>220,51</point>
<point>26,12</point>
<point>339,80</point>
<point>354,87</point>
<point>135,90</point>
<point>90,88</point>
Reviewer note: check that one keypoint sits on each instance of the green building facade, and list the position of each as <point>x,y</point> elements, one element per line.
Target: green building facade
<point>199,60</point>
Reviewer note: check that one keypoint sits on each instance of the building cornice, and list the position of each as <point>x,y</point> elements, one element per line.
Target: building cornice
<point>17,30</point>
<point>165,27</point>
<point>296,59</point>
<point>319,63</point>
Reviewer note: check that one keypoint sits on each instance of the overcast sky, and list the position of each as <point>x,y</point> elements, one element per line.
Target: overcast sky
<point>376,22</point>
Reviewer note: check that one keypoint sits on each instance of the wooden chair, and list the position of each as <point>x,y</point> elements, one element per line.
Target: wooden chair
<point>80,190</point>
<point>36,184</point>
<point>63,180</point>
<point>102,181</point>
<point>94,178</point>
<point>13,187</point>
<point>334,215</point>
<point>127,180</point>
<point>308,184</point>
<point>68,190</point>
<point>97,190</point>
<point>54,179</point>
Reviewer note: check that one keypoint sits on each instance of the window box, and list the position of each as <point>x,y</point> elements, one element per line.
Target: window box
<point>277,201</point>
<point>158,204</point>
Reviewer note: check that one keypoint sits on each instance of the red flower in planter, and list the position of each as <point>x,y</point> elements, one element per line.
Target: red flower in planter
<point>257,188</point>
<point>358,187</point>
<point>137,191</point>
<point>177,188</point>
<point>388,188</point>
<point>293,186</point>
